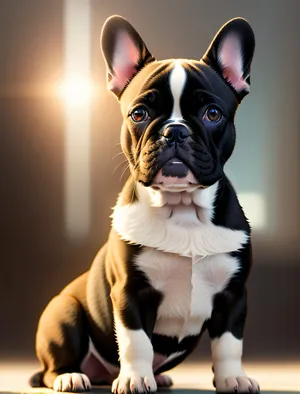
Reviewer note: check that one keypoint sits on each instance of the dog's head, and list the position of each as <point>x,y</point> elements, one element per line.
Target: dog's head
<point>178,129</point>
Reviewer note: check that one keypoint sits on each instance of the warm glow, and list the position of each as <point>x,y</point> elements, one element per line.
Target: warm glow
<point>75,91</point>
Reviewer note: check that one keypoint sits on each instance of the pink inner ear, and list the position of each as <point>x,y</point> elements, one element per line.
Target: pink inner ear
<point>230,57</point>
<point>125,60</point>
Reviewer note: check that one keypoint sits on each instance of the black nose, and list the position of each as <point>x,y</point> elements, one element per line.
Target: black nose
<point>176,134</point>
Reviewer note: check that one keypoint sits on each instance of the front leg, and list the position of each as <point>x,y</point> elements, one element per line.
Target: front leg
<point>135,349</point>
<point>226,328</point>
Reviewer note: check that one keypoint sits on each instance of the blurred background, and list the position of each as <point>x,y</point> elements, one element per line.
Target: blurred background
<point>60,171</point>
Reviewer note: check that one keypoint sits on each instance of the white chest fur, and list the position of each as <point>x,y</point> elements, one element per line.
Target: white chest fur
<point>184,230</point>
<point>188,288</point>
<point>185,255</point>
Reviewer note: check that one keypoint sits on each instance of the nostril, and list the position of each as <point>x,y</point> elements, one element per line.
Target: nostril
<point>182,135</point>
<point>176,133</point>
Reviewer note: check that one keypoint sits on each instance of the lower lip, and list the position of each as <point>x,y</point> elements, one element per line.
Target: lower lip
<point>178,187</point>
<point>172,184</point>
<point>175,185</point>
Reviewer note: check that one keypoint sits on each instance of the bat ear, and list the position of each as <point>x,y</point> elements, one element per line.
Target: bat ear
<point>231,53</point>
<point>124,51</point>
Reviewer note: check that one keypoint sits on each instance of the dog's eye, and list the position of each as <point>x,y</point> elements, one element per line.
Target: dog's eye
<point>213,114</point>
<point>140,114</point>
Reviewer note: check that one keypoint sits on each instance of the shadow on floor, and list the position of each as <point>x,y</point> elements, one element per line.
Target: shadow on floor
<point>106,390</point>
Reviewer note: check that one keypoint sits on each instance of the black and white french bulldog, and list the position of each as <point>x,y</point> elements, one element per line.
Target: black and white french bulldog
<point>179,251</point>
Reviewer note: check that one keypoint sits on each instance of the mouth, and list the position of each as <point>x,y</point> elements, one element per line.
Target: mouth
<point>175,176</point>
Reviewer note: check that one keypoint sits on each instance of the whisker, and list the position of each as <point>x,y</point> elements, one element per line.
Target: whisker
<point>118,154</point>
<point>123,173</point>
<point>119,165</point>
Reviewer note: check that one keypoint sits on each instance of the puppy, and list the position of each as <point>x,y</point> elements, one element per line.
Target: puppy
<point>179,251</point>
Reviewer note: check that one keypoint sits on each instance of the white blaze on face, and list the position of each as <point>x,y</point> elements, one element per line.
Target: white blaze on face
<point>177,83</point>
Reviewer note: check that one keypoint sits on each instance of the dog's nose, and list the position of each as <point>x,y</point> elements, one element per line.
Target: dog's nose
<point>176,134</point>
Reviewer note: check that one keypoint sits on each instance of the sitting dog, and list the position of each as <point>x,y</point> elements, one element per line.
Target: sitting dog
<point>179,250</point>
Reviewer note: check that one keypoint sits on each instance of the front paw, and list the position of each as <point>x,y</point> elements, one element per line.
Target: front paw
<point>134,383</point>
<point>240,384</point>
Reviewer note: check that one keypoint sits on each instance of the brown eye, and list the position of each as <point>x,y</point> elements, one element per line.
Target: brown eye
<point>213,114</point>
<point>140,114</point>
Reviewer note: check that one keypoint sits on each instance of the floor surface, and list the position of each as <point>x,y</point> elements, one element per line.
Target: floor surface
<point>188,378</point>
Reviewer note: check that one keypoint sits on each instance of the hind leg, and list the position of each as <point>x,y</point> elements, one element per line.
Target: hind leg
<point>163,381</point>
<point>61,344</point>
